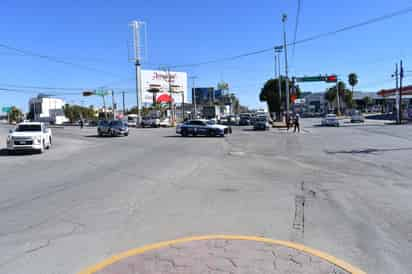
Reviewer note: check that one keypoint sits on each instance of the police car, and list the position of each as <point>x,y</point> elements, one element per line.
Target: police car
<point>202,127</point>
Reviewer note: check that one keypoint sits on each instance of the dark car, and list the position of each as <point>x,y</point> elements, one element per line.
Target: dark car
<point>202,127</point>
<point>112,128</point>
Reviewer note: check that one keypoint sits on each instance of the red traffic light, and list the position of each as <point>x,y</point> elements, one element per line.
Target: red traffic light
<point>331,79</point>
<point>88,93</point>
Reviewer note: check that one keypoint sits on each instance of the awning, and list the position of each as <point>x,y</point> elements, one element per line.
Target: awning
<point>390,92</point>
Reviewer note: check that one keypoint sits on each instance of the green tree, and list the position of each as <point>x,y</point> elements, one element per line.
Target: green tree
<point>15,115</point>
<point>353,80</point>
<point>223,85</point>
<point>366,101</point>
<point>270,94</point>
<point>75,112</point>
<point>345,95</point>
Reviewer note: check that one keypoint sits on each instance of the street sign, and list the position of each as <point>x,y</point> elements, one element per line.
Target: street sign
<point>6,109</point>
<point>320,78</point>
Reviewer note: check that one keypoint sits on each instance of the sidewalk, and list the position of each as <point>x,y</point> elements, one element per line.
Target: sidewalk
<point>223,254</point>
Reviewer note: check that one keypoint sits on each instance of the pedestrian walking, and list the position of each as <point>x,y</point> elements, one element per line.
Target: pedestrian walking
<point>287,122</point>
<point>81,123</point>
<point>296,123</point>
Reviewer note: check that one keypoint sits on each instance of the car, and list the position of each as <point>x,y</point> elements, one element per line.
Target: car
<point>165,123</point>
<point>357,117</point>
<point>245,119</point>
<point>261,123</point>
<point>112,128</point>
<point>330,120</point>
<point>150,122</point>
<point>30,136</point>
<point>132,120</point>
<point>202,127</point>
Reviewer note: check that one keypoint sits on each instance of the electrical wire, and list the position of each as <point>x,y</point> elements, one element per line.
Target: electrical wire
<point>305,40</point>
<point>296,29</point>
<point>55,59</point>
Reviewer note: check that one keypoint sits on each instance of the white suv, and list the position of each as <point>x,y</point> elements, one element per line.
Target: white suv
<point>30,136</point>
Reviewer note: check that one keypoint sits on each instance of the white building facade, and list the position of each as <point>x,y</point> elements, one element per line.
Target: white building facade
<point>47,109</point>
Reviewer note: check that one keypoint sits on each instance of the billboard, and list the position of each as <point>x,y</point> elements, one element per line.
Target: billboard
<point>204,95</point>
<point>159,80</point>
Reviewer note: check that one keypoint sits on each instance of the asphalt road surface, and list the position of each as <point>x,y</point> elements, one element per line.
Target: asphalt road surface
<point>346,191</point>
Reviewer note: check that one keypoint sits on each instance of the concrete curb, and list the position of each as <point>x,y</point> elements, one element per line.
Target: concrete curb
<point>118,257</point>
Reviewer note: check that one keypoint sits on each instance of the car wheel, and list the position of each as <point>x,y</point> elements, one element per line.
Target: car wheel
<point>184,133</point>
<point>126,134</point>
<point>212,133</point>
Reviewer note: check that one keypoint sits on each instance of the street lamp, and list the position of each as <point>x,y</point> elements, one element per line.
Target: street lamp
<point>284,19</point>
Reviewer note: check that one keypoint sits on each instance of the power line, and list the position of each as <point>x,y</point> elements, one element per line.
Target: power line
<point>55,59</point>
<point>308,39</point>
<point>296,29</point>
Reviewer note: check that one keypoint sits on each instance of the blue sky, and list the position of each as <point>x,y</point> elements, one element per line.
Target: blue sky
<point>95,33</point>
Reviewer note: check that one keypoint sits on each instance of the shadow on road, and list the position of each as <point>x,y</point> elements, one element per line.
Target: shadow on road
<point>5,152</point>
<point>190,136</point>
<point>103,136</point>
<point>367,150</point>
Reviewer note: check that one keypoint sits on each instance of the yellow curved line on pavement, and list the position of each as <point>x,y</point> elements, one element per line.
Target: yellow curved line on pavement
<point>136,251</point>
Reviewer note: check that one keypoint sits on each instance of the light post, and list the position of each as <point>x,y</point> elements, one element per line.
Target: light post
<point>284,19</point>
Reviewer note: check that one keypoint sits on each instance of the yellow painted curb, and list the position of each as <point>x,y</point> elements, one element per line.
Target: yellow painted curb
<point>115,258</point>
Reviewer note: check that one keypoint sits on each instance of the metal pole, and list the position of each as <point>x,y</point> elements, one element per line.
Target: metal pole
<point>397,95</point>
<point>124,108</point>
<point>113,106</point>
<point>104,107</point>
<point>400,92</point>
<point>284,18</point>
<point>135,26</point>
<point>337,99</point>
<point>183,105</point>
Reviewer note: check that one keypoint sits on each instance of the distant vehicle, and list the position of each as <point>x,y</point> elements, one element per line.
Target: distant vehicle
<point>209,112</point>
<point>330,120</point>
<point>261,123</point>
<point>30,136</point>
<point>149,121</point>
<point>165,123</point>
<point>112,128</point>
<point>132,120</point>
<point>245,119</point>
<point>357,117</point>
<point>202,127</point>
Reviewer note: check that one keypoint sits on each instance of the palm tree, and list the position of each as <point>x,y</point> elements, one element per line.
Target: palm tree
<point>353,80</point>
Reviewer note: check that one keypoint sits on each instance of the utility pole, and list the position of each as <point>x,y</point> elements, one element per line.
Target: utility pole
<point>124,108</point>
<point>278,50</point>
<point>169,80</point>
<point>284,18</point>
<point>113,106</point>
<point>337,98</point>
<point>396,75</point>
<point>136,44</point>
<point>194,94</point>
<point>400,93</point>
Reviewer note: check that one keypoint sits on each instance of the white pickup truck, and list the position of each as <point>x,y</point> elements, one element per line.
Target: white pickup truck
<point>30,136</point>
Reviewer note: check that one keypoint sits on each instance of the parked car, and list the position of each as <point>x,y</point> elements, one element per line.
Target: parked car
<point>112,128</point>
<point>261,123</point>
<point>30,136</point>
<point>245,119</point>
<point>202,127</point>
<point>132,120</point>
<point>330,120</point>
<point>357,117</point>
<point>150,122</point>
<point>165,123</point>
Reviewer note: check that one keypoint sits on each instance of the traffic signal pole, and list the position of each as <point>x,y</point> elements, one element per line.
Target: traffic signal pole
<point>337,99</point>
<point>284,18</point>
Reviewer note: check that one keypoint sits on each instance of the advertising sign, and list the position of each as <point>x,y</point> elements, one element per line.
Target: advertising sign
<point>158,80</point>
<point>204,95</point>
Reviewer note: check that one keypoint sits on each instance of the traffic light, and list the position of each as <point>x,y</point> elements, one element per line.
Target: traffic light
<point>331,79</point>
<point>88,93</point>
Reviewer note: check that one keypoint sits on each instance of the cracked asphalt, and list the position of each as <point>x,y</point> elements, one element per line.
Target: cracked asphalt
<point>345,191</point>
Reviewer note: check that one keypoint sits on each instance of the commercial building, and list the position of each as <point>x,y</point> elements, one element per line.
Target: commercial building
<point>44,108</point>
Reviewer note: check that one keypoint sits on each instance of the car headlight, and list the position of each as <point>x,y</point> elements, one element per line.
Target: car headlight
<point>37,140</point>
<point>9,138</point>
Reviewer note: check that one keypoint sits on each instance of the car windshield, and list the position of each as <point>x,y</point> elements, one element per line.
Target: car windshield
<point>211,122</point>
<point>27,127</point>
<point>116,123</point>
<point>103,123</point>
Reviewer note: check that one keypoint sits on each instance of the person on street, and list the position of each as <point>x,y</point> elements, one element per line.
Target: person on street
<point>81,123</point>
<point>296,123</point>
<point>287,122</point>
